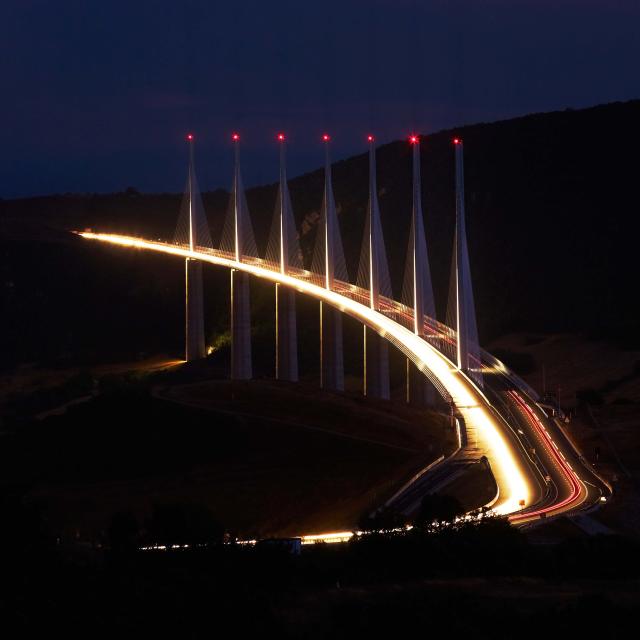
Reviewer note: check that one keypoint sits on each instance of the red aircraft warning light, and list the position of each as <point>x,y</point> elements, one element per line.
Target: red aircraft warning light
<point>281,137</point>
<point>235,137</point>
<point>190,137</point>
<point>457,141</point>
<point>326,137</point>
<point>413,139</point>
<point>370,138</point>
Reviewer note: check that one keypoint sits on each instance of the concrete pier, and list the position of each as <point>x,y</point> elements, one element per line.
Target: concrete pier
<point>286,335</point>
<point>241,368</point>
<point>419,390</point>
<point>376,365</point>
<point>331,353</point>
<point>194,311</point>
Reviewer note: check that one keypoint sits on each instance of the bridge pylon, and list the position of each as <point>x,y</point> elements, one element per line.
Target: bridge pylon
<point>461,315</point>
<point>284,252</point>
<point>373,275</point>
<point>241,243</point>
<point>417,291</point>
<point>329,266</point>
<point>192,231</point>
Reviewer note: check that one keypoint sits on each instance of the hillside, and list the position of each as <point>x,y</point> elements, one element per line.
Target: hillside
<point>261,472</point>
<point>551,206</point>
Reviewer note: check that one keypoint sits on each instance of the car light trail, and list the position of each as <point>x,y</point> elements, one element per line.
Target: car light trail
<point>514,487</point>
<point>334,537</point>
<point>576,488</point>
<point>329,538</point>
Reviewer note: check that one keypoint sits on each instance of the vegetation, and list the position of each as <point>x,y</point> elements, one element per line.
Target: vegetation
<point>438,508</point>
<point>447,580</point>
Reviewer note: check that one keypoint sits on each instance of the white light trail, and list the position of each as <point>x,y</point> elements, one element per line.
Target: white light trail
<point>513,485</point>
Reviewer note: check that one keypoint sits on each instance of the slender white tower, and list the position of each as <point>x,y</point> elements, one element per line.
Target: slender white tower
<point>194,307</point>
<point>331,345</point>
<point>241,367</point>
<point>461,250</point>
<point>418,288</point>
<point>376,275</point>
<point>286,330</point>
<point>461,312</point>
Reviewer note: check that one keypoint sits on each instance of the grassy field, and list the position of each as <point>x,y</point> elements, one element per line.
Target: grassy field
<point>267,459</point>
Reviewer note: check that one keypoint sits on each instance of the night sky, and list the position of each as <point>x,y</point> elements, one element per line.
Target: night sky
<point>97,95</point>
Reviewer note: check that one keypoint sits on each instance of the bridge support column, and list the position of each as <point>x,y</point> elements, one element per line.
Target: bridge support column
<point>194,311</point>
<point>376,365</point>
<point>241,368</point>
<point>420,390</point>
<point>331,354</point>
<point>286,335</point>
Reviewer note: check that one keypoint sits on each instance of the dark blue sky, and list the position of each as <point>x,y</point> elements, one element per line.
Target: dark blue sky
<point>97,95</point>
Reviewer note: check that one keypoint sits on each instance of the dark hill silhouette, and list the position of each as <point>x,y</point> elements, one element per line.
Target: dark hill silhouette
<point>551,205</point>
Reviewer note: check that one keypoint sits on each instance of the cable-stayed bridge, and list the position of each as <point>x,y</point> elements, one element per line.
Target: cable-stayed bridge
<point>538,472</point>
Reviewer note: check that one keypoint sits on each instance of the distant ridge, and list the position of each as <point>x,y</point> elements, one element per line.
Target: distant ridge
<point>552,206</point>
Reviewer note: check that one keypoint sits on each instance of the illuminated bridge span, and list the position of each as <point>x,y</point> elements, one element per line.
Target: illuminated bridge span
<point>538,472</point>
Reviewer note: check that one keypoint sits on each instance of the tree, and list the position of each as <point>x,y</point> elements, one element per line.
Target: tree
<point>438,508</point>
<point>384,520</point>
<point>184,523</point>
<point>123,532</point>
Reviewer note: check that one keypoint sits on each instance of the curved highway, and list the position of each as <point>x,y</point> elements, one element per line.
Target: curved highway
<point>538,472</point>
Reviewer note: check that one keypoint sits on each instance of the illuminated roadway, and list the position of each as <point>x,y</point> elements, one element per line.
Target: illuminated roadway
<point>538,472</point>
